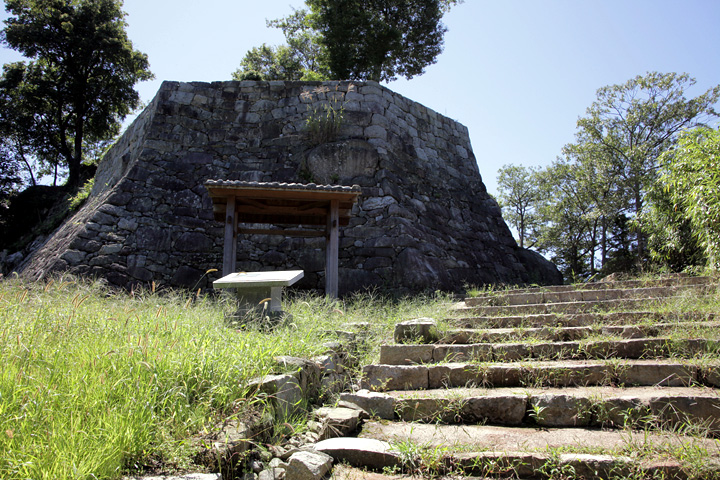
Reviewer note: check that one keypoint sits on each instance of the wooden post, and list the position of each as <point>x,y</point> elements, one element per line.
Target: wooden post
<point>332,249</point>
<point>230,241</point>
<point>235,231</point>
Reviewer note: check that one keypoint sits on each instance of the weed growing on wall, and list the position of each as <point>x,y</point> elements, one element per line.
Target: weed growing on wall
<point>83,193</point>
<point>327,110</point>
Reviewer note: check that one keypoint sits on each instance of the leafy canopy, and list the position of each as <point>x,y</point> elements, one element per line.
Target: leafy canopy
<point>78,84</point>
<point>690,172</point>
<point>633,123</point>
<point>519,194</point>
<point>630,125</point>
<point>634,188</point>
<point>300,59</point>
<point>352,40</point>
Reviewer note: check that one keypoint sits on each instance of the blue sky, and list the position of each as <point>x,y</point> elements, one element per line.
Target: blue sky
<point>517,73</point>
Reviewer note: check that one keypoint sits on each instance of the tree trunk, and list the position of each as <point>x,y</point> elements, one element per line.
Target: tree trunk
<point>640,233</point>
<point>74,163</point>
<point>603,243</point>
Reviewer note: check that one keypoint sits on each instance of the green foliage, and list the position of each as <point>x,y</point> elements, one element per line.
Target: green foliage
<point>95,381</point>
<point>690,173</point>
<point>633,123</point>
<point>82,194</point>
<point>78,84</point>
<point>10,166</point>
<point>350,39</point>
<point>671,242</point>
<point>601,204</point>
<point>520,196</point>
<point>567,215</point>
<point>300,59</point>
<point>381,39</point>
<point>304,41</point>
<point>269,63</point>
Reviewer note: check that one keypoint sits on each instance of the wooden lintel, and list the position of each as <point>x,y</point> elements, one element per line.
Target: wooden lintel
<point>310,220</point>
<point>313,205</point>
<point>261,194</point>
<point>268,210</point>
<point>249,201</point>
<point>282,213</point>
<point>280,231</point>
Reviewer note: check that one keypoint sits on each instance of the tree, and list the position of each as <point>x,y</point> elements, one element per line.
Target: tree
<point>519,194</point>
<point>269,63</point>
<point>352,40</point>
<point>300,59</point>
<point>671,240</point>
<point>566,234</point>
<point>379,39</point>
<point>11,178</point>
<point>604,200</point>
<point>602,195</point>
<point>690,173</point>
<point>633,123</point>
<point>78,84</point>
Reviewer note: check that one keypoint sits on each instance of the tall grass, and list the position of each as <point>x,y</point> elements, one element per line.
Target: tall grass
<point>93,381</point>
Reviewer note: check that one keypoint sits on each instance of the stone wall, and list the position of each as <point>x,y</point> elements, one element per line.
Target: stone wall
<point>424,220</point>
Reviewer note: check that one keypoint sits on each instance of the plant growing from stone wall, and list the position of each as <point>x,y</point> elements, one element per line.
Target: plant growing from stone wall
<point>327,110</point>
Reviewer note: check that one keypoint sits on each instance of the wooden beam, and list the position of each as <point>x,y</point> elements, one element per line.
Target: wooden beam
<point>332,250</point>
<point>280,210</point>
<point>309,220</point>
<point>312,205</point>
<point>263,193</point>
<point>254,203</point>
<point>230,240</point>
<point>278,214</point>
<point>280,231</point>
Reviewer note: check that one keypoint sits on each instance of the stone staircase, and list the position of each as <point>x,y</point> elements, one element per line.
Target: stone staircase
<point>595,381</point>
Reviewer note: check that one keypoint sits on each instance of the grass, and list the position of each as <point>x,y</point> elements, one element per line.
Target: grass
<point>95,382</point>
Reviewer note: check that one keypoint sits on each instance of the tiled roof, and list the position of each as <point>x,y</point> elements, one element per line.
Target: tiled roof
<point>282,186</point>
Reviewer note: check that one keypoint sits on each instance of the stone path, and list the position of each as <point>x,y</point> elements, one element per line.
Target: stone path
<point>606,380</point>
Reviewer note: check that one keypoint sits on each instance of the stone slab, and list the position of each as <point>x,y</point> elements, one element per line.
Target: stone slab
<point>256,290</point>
<point>394,377</point>
<point>360,452</point>
<point>475,352</point>
<point>560,410</point>
<point>493,438</point>
<point>406,354</point>
<point>337,421</point>
<point>656,373</point>
<point>259,279</point>
<point>308,466</point>
<point>422,329</point>
<point>188,476</point>
<point>374,403</point>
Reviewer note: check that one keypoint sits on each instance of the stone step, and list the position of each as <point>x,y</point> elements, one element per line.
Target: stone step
<point>566,334</point>
<point>528,298</point>
<point>576,319</point>
<point>526,453</point>
<point>690,408</point>
<point>671,281</point>
<point>381,377</point>
<point>636,348</point>
<point>566,307</point>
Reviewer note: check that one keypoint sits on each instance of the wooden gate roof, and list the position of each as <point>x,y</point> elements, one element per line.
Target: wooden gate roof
<point>281,203</point>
